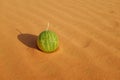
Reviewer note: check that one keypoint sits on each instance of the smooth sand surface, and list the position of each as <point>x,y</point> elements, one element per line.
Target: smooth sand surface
<point>89,33</point>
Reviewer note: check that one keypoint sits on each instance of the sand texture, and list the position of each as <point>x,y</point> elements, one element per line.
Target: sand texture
<point>89,34</point>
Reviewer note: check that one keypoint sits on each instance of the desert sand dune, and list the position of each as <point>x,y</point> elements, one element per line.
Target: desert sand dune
<point>89,34</point>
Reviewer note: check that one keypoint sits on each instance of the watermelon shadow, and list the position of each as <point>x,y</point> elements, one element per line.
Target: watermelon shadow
<point>28,40</point>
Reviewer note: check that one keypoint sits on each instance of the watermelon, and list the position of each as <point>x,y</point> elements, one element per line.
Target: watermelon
<point>47,41</point>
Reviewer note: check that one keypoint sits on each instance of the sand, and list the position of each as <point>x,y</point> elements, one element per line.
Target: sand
<point>89,34</point>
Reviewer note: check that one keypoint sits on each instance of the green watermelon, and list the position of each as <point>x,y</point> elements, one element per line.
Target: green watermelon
<point>47,41</point>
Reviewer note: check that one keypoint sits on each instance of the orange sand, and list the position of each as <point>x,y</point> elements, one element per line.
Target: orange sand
<point>89,32</point>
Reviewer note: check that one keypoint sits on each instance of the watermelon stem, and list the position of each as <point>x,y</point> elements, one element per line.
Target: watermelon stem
<point>47,26</point>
